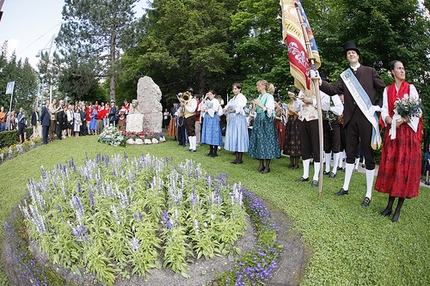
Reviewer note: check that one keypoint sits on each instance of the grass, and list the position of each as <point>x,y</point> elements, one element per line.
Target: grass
<point>347,244</point>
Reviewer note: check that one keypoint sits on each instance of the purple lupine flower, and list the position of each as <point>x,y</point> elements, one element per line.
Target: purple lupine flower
<point>91,195</point>
<point>166,220</point>
<point>43,172</point>
<point>115,214</point>
<point>135,244</point>
<point>79,188</point>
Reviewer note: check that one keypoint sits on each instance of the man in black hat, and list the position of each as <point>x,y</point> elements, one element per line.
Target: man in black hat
<point>359,85</point>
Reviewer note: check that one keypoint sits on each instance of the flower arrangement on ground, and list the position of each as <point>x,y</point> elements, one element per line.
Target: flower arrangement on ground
<point>112,136</point>
<point>144,137</point>
<point>139,209</point>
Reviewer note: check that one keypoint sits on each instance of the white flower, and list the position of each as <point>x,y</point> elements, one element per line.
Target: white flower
<point>147,141</point>
<point>138,141</point>
<point>154,141</point>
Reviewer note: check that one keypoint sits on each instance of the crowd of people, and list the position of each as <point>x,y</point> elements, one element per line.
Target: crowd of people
<point>266,128</point>
<point>65,119</point>
<point>350,129</point>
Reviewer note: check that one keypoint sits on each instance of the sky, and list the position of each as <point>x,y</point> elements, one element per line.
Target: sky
<point>30,25</point>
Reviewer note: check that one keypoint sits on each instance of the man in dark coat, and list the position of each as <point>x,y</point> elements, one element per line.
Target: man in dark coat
<point>61,119</point>
<point>82,110</point>
<point>45,120</point>
<point>34,120</point>
<point>112,113</point>
<point>356,123</point>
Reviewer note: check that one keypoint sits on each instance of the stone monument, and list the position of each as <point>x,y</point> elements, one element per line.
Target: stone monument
<point>134,118</point>
<point>149,103</point>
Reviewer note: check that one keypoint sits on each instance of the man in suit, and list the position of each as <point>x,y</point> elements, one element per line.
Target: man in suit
<point>112,113</point>
<point>82,110</point>
<point>357,120</point>
<point>45,120</point>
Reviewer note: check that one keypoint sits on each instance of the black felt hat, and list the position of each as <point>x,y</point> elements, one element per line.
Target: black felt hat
<point>350,46</point>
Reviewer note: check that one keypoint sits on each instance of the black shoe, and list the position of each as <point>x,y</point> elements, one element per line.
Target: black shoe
<point>192,150</point>
<point>314,183</point>
<point>209,154</point>
<point>386,212</point>
<point>341,192</point>
<point>260,169</point>
<point>326,173</point>
<point>332,175</point>
<point>265,171</point>
<point>234,162</point>
<point>365,202</point>
<point>302,180</point>
<point>213,155</point>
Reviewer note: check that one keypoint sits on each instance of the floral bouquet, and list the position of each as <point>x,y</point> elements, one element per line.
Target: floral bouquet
<point>408,107</point>
<point>112,136</point>
<point>405,107</point>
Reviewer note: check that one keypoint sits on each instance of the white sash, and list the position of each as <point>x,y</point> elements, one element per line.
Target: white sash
<point>363,101</point>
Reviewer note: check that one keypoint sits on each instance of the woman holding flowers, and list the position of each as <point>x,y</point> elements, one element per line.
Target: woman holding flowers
<point>263,143</point>
<point>400,167</point>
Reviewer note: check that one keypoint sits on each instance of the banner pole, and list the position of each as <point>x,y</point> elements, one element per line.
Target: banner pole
<point>317,94</point>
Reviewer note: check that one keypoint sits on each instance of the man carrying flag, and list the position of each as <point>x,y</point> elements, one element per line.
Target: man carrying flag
<point>304,59</point>
<point>359,85</point>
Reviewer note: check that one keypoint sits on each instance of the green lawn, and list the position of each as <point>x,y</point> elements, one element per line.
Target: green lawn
<point>347,244</point>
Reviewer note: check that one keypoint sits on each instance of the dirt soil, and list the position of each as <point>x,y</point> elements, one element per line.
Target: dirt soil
<point>291,263</point>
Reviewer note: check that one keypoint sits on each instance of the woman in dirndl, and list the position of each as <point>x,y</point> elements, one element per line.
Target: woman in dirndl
<point>399,171</point>
<point>263,143</point>
<point>211,130</point>
<point>236,135</point>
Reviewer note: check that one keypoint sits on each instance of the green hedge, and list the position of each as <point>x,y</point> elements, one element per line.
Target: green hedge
<point>8,138</point>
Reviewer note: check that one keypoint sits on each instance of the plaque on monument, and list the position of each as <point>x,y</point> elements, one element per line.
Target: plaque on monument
<point>134,122</point>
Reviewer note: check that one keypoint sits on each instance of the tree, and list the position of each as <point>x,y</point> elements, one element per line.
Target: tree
<point>186,43</point>
<point>96,31</point>
<point>25,78</point>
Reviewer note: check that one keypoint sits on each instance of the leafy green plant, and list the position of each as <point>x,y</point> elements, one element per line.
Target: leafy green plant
<point>100,214</point>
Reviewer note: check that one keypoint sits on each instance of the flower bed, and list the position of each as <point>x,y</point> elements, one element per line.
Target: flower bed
<point>112,136</point>
<point>17,149</point>
<point>140,209</point>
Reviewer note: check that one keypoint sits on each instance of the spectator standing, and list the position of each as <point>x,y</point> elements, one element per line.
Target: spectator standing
<point>198,124</point>
<point>292,140</point>
<point>83,112</point>
<point>53,109</point>
<point>280,122</point>
<point>35,121</point>
<point>22,125</point>
<point>112,113</point>
<point>77,122</point>
<point>2,119</point>
<point>61,120</point>
<point>93,120</point>
<point>172,130</point>
<point>45,120</point>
